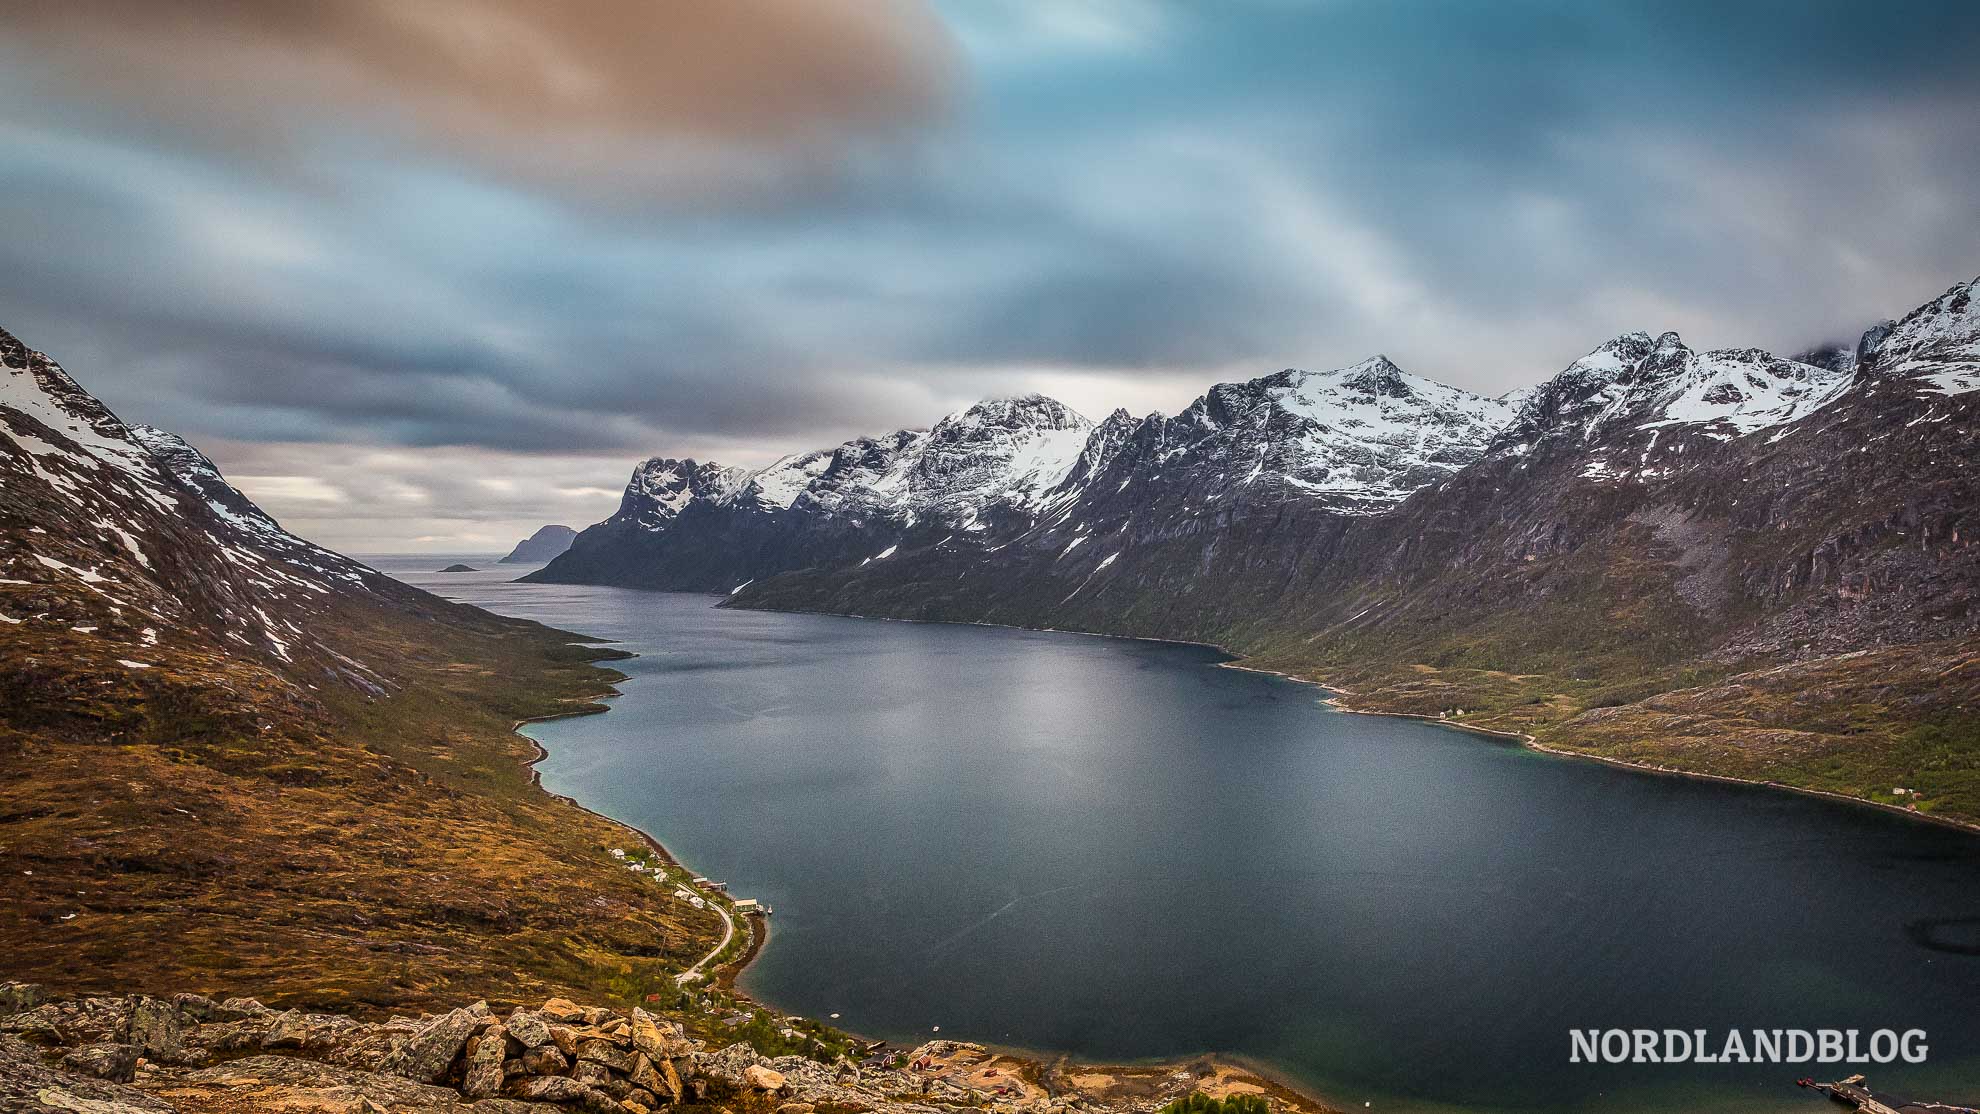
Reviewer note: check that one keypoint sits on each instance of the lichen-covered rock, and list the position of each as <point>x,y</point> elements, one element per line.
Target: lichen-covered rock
<point>112,1061</point>
<point>483,1075</point>
<point>240,1009</point>
<point>562,1089</point>
<point>28,1083</point>
<point>563,1010</point>
<point>428,1054</point>
<point>19,997</point>
<point>156,1030</point>
<point>528,1028</point>
<point>546,1060</point>
<point>729,1064</point>
<point>606,1053</point>
<point>41,1024</point>
<point>657,1039</point>
<point>288,1029</point>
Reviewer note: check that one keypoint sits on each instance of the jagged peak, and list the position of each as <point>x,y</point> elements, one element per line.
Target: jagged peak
<point>1029,410</point>
<point>1938,341</point>
<point>1377,375</point>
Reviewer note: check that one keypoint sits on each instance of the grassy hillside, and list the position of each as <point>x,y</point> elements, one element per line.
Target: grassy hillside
<point>207,824</point>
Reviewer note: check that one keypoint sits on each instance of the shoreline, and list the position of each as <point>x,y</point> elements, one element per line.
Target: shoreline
<point>758,926</point>
<point>1222,1067</point>
<point>1338,702</point>
<point>1041,1062</point>
<point>1528,742</point>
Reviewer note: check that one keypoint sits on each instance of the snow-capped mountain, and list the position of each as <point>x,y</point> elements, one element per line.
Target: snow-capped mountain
<point>1632,407</point>
<point>1352,441</point>
<point>130,536</point>
<point>1355,441</point>
<point>1650,501</point>
<point>683,524</point>
<point>1726,501</point>
<point>1936,346</point>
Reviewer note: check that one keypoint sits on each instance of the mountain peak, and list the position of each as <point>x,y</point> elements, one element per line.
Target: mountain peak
<point>1937,344</point>
<point>1032,411</point>
<point>662,487</point>
<point>1377,375</point>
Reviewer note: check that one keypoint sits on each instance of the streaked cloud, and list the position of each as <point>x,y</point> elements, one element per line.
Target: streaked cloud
<point>671,97</point>
<point>367,239</point>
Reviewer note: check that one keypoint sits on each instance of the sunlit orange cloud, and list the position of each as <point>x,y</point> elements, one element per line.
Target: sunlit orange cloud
<point>687,95</point>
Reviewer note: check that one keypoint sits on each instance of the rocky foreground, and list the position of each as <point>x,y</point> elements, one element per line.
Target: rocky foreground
<point>192,1054</point>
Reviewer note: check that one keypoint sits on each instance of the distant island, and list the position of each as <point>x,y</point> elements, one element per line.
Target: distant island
<point>547,544</point>
<point>460,568</point>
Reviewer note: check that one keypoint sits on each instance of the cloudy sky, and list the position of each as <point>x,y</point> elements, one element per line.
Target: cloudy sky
<point>425,275</point>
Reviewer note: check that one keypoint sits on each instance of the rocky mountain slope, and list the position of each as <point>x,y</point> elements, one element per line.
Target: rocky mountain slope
<point>544,545</point>
<point>1716,560</point>
<point>700,526</point>
<point>143,1054</point>
<point>1355,441</point>
<point>293,773</point>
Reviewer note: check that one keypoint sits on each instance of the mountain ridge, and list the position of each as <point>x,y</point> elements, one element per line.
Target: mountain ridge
<point>1649,522</point>
<point>296,770</point>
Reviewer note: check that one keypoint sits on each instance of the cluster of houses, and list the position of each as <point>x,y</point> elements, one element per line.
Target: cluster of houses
<point>747,906</point>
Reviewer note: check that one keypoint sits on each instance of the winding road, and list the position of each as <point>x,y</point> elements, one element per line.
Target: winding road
<point>728,934</point>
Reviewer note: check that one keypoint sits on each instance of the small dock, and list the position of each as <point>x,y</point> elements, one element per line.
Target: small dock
<point>1854,1094</point>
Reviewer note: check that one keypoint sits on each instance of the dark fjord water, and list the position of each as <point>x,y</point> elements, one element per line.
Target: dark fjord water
<point>1114,849</point>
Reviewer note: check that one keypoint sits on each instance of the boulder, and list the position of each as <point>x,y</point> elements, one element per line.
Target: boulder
<point>19,997</point>
<point>728,1064</point>
<point>762,1078</point>
<point>562,1088</point>
<point>27,1083</point>
<point>545,1088</point>
<point>563,1010</point>
<point>483,1076</point>
<point>565,1038</point>
<point>156,1030</point>
<point>239,1009</point>
<point>196,1007</point>
<point>42,1023</point>
<point>288,1029</point>
<point>290,1083</point>
<point>428,1054</point>
<point>658,1039</point>
<point>592,1072</point>
<point>546,1060</point>
<point>644,1075</point>
<point>529,1029</point>
<point>606,1053</point>
<point>112,1061</point>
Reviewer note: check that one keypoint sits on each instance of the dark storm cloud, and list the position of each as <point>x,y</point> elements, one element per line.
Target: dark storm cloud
<point>593,231</point>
